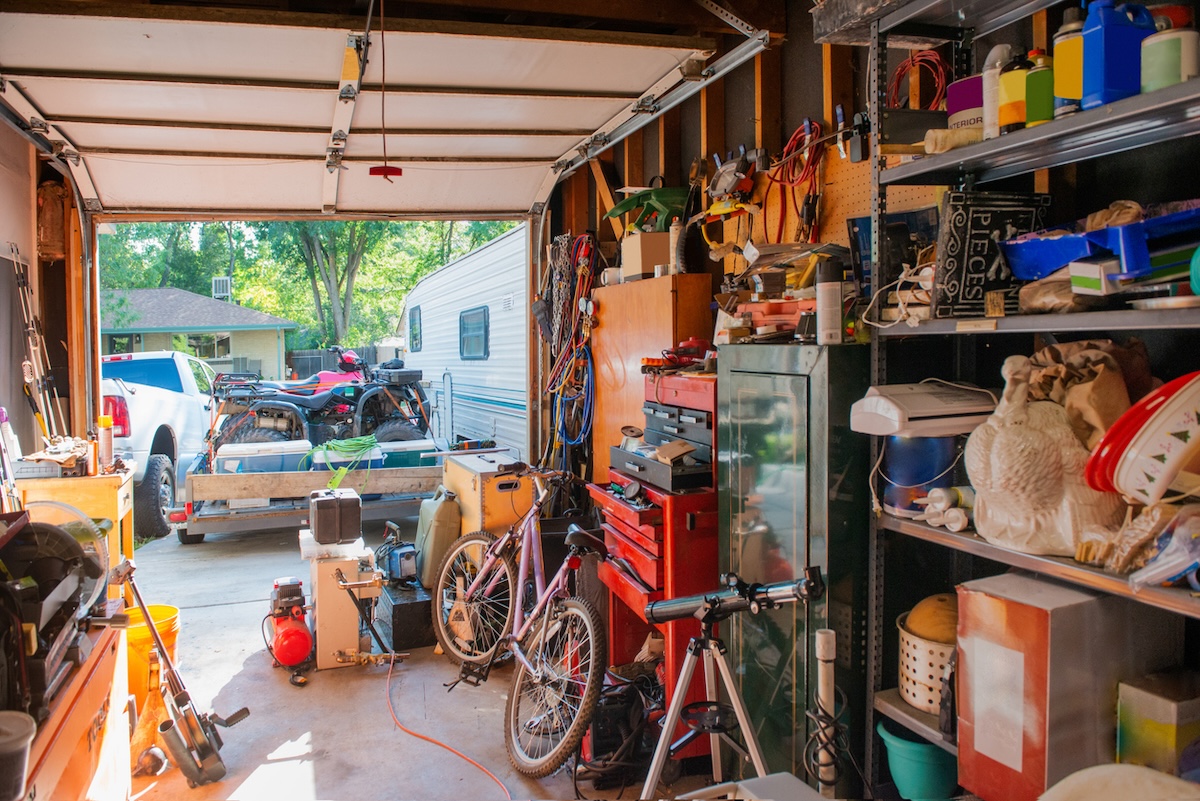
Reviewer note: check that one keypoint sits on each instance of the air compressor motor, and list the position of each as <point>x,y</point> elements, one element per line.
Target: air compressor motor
<point>291,641</point>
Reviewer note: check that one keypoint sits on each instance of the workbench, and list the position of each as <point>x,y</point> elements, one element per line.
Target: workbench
<point>105,496</point>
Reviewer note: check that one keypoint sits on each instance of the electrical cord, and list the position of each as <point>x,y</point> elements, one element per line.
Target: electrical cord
<point>808,146</point>
<point>932,61</point>
<point>428,739</point>
<point>828,747</point>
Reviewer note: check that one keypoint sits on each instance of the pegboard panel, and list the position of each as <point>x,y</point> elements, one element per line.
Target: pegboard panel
<point>848,194</point>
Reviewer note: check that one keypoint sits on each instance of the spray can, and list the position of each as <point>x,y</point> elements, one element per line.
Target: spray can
<point>997,57</point>
<point>1068,63</point>
<point>11,443</point>
<point>676,231</point>
<point>104,438</point>
<point>830,273</point>
<point>1039,89</point>
<point>1012,93</point>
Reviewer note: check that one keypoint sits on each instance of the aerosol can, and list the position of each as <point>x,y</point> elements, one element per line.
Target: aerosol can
<point>292,641</point>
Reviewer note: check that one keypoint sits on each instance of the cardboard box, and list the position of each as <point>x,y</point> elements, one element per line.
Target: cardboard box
<point>641,252</point>
<point>1159,723</point>
<point>1038,668</point>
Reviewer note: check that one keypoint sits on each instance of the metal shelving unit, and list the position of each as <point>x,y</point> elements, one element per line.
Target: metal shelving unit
<point>1120,320</point>
<point>1172,599</point>
<point>890,704</point>
<point>1132,123</point>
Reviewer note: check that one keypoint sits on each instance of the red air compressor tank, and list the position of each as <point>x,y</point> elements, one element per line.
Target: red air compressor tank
<point>291,640</point>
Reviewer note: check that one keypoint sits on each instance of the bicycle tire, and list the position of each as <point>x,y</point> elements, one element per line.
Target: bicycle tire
<point>542,728</point>
<point>486,621</point>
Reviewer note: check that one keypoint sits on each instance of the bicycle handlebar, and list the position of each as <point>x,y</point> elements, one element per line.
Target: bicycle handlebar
<point>737,597</point>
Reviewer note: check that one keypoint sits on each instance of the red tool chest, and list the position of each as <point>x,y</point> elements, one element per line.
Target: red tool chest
<point>667,549</point>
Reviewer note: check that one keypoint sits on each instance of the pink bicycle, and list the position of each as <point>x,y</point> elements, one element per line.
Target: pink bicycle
<point>556,638</point>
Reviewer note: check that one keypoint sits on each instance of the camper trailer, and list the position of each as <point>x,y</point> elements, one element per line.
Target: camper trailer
<point>466,328</point>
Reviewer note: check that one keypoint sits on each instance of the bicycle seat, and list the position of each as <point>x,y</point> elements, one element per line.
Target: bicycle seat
<point>586,541</point>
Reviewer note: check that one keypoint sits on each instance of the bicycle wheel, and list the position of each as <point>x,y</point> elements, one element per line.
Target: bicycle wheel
<point>546,716</point>
<point>468,629</point>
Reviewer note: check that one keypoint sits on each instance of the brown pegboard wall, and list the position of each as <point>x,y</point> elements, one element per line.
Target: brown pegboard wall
<point>848,194</point>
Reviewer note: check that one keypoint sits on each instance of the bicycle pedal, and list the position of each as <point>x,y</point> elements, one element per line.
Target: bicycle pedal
<point>474,673</point>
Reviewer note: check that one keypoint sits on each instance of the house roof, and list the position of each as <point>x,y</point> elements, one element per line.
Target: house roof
<point>179,311</point>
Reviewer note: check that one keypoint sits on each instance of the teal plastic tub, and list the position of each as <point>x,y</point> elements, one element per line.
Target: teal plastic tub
<point>921,770</point>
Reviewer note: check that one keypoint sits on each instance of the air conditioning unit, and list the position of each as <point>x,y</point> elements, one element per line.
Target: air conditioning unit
<point>222,287</point>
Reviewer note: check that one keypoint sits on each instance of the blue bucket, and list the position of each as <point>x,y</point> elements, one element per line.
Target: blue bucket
<point>912,466</point>
<point>921,770</point>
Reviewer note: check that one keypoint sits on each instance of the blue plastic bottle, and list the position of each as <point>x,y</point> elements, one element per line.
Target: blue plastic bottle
<point>1112,48</point>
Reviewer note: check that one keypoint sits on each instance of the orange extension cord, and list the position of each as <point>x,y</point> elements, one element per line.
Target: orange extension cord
<point>428,739</point>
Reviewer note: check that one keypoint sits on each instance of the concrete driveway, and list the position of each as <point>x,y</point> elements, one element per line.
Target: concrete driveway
<point>334,738</point>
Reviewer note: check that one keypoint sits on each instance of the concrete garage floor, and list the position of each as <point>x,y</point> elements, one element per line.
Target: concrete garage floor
<point>333,739</point>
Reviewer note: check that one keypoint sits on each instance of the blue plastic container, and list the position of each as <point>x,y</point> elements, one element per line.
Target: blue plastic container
<point>912,466</point>
<point>1112,51</point>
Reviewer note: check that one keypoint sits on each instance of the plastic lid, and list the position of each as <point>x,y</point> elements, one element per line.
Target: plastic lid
<point>830,271</point>
<point>1037,51</point>
<point>104,421</point>
<point>1072,15</point>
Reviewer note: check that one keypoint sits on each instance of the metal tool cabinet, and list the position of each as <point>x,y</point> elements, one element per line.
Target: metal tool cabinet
<point>791,480</point>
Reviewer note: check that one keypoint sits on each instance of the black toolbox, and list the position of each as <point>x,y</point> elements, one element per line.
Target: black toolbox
<point>404,617</point>
<point>672,478</point>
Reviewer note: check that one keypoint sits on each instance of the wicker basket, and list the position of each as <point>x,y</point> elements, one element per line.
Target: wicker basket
<point>922,665</point>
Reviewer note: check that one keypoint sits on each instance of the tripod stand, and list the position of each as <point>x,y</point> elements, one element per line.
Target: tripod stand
<point>710,716</point>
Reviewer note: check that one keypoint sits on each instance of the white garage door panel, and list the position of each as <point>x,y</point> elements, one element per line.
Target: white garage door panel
<point>87,136</point>
<point>495,188</point>
<point>145,182</point>
<point>479,113</point>
<point>548,148</point>
<point>188,102</point>
<point>83,43</point>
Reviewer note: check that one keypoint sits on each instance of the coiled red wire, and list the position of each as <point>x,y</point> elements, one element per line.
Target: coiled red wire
<point>932,61</point>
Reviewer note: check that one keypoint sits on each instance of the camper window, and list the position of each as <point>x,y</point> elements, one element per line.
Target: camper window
<point>473,333</point>
<point>414,329</point>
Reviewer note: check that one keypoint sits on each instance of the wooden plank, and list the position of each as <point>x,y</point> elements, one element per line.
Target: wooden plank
<point>78,354</point>
<point>633,165</point>
<point>575,203</point>
<point>604,191</point>
<point>712,141</point>
<point>234,486</point>
<point>398,24</point>
<point>837,82</point>
<point>669,128</point>
<point>768,100</point>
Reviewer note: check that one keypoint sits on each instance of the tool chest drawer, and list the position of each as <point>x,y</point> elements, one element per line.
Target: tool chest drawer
<point>647,566</point>
<point>703,452</point>
<point>630,590</point>
<point>645,517</point>
<point>669,477</point>
<point>693,432</point>
<point>688,391</point>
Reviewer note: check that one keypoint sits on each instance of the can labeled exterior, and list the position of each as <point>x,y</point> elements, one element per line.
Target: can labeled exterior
<point>1068,64</point>
<point>964,102</point>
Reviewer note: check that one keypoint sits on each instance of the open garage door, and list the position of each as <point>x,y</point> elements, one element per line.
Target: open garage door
<point>171,110</point>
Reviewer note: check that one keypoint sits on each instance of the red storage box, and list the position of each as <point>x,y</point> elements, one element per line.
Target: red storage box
<point>1038,669</point>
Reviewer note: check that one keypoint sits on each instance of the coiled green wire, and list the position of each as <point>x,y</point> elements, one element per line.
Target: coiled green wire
<point>352,451</point>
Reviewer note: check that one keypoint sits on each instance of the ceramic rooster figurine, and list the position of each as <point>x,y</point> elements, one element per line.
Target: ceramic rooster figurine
<point>1026,466</point>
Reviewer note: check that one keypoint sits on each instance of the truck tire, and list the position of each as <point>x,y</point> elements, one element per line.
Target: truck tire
<point>189,539</point>
<point>397,431</point>
<point>154,497</point>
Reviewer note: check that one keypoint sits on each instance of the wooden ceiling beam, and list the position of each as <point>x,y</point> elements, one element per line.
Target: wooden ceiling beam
<point>267,17</point>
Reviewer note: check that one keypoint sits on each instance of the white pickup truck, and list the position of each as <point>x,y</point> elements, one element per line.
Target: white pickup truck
<point>160,402</point>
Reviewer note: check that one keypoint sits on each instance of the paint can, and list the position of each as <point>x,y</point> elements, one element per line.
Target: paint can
<point>964,102</point>
<point>1170,57</point>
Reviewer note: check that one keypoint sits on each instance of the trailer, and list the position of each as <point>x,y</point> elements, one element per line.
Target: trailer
<point>220,503</point>
<point>467,328</point>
